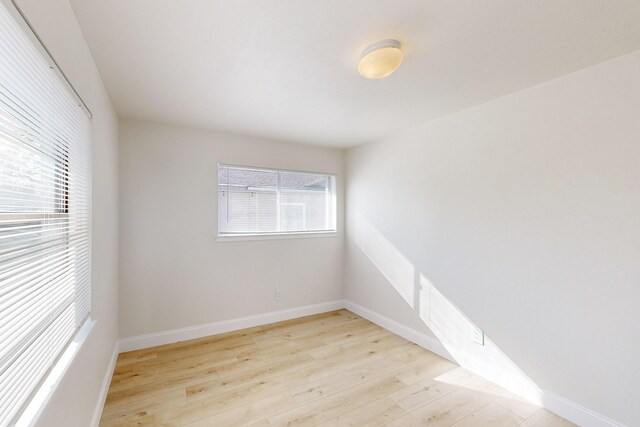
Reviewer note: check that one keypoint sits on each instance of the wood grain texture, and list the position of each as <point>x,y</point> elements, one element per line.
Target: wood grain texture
<point>330,369</point>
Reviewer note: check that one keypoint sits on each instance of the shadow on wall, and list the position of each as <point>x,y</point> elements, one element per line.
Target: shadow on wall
<point>463,340</point>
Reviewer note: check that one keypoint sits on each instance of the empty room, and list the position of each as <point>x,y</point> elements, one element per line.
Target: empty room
<point>273,213</point>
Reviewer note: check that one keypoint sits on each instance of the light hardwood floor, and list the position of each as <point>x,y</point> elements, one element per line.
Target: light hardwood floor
<point>331,369</point>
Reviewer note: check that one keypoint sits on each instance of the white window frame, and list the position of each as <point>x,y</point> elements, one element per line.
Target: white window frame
<point>332,205</point>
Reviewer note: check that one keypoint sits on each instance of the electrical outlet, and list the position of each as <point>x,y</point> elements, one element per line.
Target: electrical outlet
<point>278,295</point>
<point>477,336</point>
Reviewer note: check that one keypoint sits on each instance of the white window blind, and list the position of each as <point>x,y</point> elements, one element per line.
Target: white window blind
<point>44,215</point>
<point>269,201</point>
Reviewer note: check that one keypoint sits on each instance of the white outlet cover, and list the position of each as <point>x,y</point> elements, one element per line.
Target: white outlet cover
<point>477,336</point>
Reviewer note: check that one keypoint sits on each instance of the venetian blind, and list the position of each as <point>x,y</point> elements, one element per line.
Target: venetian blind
<point>44,215</point>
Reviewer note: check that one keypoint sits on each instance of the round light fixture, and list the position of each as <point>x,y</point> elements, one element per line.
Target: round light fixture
<point>380,59</point>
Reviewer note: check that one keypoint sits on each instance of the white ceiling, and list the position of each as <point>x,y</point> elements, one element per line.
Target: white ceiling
<point>286,69</point>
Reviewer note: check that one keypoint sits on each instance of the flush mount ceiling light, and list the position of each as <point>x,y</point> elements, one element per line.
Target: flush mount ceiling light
<point>380,59</point>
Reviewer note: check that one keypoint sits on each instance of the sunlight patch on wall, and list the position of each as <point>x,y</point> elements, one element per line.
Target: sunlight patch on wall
<point>463,340</point>
<point>397,269</point>
<point>459,334</point>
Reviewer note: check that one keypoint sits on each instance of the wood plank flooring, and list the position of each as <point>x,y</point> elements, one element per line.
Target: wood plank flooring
<point>331,369</point>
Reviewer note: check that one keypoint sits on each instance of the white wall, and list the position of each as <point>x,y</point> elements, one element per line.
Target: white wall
<point>173,272</point>
<point>74,401</point>
<point>525,213</point>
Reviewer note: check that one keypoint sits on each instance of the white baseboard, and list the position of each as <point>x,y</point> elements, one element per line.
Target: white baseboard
<point>501,377</point>
<point>405,332</point>
<point>559,405</point>
<point>104,388</point>
<point>575,412</point>
<point>199,331</point>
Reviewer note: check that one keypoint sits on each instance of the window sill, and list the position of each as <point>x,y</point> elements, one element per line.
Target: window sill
<point>279,236</point>
<point>39,401</point>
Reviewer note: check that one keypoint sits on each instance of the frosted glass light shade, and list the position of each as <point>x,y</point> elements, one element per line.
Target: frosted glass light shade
<point>380,59</point>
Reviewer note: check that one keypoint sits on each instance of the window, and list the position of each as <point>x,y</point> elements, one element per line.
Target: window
<point>44,215</point>
<point>268,201</point>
